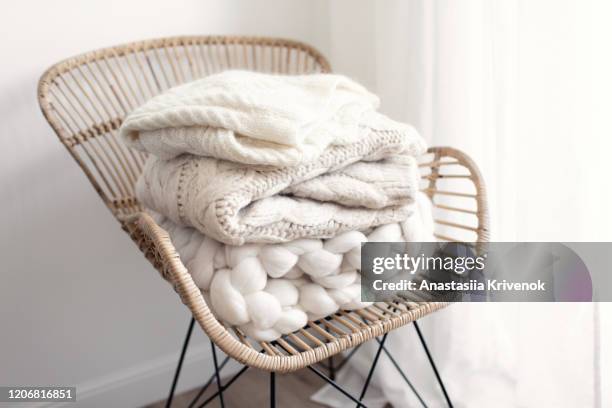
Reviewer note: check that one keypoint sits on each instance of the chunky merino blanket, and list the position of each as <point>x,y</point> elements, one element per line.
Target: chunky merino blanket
<point>268,186</point>
<point>268,290</point>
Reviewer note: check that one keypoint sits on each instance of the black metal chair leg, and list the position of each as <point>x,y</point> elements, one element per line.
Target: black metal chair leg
<point>272,389</point>
<point>217,375</point>
<point>402,374</point>
<point>381,348</point>
<point>179,366</point>
<point>206,385</point>
<point>332,368</point>
<point>371,372</point>
<point>347,358</point>
<point>225,387</point>
<point>433,365</point>
<point>336,386</point>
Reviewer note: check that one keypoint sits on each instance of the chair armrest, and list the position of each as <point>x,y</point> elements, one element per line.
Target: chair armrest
<point>439,157</point>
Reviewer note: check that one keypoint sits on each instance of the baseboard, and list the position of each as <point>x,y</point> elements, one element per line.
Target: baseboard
<point>147,382</point>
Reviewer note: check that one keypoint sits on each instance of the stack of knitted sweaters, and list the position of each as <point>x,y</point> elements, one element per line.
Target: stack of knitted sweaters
<point>268,185</point>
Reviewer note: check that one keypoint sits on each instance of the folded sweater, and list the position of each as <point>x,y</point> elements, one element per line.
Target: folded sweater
<point>347,188</point>
<point>254,118</point>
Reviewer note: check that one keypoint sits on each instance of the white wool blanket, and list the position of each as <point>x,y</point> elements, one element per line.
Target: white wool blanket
<point>268,290</point>
<point>255,118</point>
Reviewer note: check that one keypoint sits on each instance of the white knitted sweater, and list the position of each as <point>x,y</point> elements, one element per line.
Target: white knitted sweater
<point>252,118</point>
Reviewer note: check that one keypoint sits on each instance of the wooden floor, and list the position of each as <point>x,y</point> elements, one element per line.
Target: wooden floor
<point>252,389</point>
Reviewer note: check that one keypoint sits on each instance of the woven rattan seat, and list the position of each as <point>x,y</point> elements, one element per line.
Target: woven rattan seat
<point>85,98</point>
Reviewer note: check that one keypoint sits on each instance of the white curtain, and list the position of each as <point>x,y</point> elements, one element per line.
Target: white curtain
<point>523,86</point>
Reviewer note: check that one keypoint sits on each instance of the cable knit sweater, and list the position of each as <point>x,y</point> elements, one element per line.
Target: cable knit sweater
<point>345,189</point>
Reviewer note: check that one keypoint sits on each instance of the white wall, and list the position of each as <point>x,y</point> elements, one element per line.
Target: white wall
<point>78,303</point>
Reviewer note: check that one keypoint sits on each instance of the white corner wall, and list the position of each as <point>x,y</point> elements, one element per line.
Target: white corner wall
<point>78,303</point>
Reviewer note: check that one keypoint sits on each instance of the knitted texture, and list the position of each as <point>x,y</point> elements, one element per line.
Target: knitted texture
<point>270,158</point>
<point>255,118</point>
<point>268,290</point>
<point>348,187</point>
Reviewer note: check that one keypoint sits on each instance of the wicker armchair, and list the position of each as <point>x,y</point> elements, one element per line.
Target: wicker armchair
<point>85,98</point>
